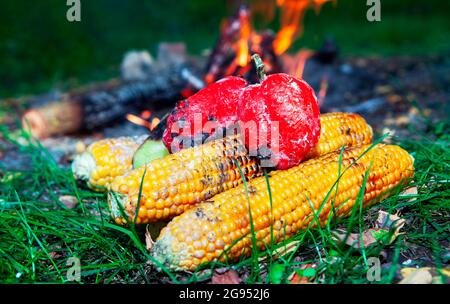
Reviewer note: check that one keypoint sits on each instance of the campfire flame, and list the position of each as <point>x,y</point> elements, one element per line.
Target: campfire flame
<point>146,114</point>
<point>302,56</point>
<point>142,120</point>
<point>242,44</point>
<point>238,40</point>
<point>323,90</point>
<point>292,13</point>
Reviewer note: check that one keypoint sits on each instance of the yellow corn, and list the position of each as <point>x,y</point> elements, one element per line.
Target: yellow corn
<point>173,184</point>
<point>108,158</point>
<point>339,130</point>
<point>203,233</point>
<point>105,159</point>
<point>161,199</point>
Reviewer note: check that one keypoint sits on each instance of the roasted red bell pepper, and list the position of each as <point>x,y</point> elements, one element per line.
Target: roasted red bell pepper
<point>279,116</point>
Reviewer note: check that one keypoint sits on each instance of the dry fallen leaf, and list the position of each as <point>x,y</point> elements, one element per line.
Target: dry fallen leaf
<point>411,191</point>
<point>55,254</point>
<point>424,275</point>
<point>386,220</point>
<point>280,251</point>
<point>304,275</point>
<point>228,276</point>
<point>354,240</point>
<point>69,201</point>
<point>416,276</point>
<point>390,222</point>
<point>387,229</point>
<point>446,272</point>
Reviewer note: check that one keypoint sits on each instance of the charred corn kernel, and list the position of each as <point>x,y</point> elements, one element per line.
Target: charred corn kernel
<point>341,129</point>
<point>225,217</point>
<point>181,179</point>
<point>104,160</point>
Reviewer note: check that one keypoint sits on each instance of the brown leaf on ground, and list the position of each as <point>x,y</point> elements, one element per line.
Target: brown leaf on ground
<point>390,222</point>
<point>416,276</point>
<point>387,229</point>
<point>424,275</point>
<point>229,276</point>
<point>354,240</point>
<point>411,191</point>
<point>55,254</point>
<point>294,278</point>
<point>69,201</point>
<point>304,275</point>
<point>281,251</point>
<point>386,220</point>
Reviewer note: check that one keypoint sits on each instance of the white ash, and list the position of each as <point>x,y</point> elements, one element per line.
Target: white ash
<point>136,65</point>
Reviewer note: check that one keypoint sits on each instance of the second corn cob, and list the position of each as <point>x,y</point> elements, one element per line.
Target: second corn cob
<point>104,160</point>
<point>339,130</point>
<point>223,223</point>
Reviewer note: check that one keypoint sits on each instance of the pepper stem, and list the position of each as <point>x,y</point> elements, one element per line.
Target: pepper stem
<point>260,67</point>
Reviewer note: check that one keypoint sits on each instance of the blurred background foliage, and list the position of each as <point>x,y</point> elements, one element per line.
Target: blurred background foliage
<point>40,49</point>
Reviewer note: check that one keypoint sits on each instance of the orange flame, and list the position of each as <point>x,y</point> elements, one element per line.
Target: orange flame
<point>142,120</point>
<point>146,114</point>
<point>242,44</point>
<point>323,90</point>
<point>291,14</point>
<point>302,56</point>
<point>155,122</point>
<point>239,40</point>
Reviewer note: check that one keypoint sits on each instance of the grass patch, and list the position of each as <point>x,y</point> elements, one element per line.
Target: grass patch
<point>39,233</point>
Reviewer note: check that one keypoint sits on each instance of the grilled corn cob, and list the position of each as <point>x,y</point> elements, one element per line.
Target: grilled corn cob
<point>173,184</point>
<point>126,190</point>
<point>108,158</point>
<point>339,130</point>
<point>105,159</point>
<point>204,232</point>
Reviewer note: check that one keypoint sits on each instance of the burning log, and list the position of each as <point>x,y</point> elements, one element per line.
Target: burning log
<point>105,104</point>
<point>236,43</point>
